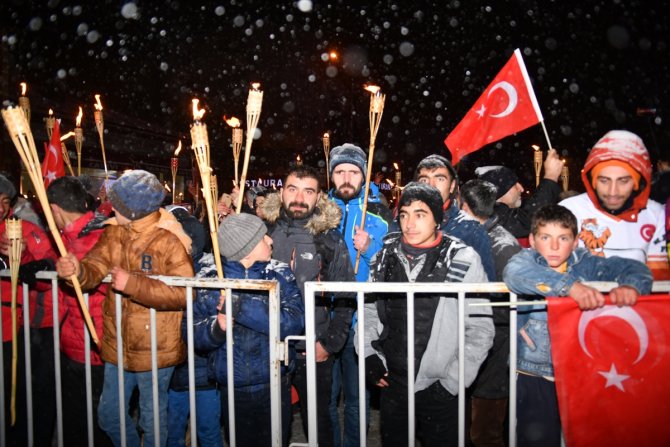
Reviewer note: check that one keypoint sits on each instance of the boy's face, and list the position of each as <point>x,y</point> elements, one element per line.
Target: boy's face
<point>262,252</point>
<point>438,178</point>
<point>554,243</point>
<point>417,223</point>
<point>5,206</point>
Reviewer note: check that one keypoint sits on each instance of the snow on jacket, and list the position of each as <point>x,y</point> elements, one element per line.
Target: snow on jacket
<point>528,273</point>
<point>316,251</point>
<point>251,323</point>
<point>79,238</point>
<point>436,315</point>
<point>152,245</point>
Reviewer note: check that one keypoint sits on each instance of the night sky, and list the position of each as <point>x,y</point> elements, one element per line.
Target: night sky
<point>593,64</point>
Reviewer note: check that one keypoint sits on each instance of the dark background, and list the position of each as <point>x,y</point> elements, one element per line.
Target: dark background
<point>595,66</point>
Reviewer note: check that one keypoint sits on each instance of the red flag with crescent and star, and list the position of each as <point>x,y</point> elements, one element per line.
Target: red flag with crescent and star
<point>52,165</point>
<point>507,106</point>
<point>612,367</point>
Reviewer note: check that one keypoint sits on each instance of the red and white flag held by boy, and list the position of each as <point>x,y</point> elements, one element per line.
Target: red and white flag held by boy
<point>507,106</point>
<point>52,165</point>
<point>612,367</point>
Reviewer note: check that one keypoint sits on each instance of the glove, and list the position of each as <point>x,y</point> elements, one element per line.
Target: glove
<point>28,270</point>
<point>374,369</point>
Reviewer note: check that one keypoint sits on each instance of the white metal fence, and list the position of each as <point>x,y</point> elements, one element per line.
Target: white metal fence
<point>278,351</point>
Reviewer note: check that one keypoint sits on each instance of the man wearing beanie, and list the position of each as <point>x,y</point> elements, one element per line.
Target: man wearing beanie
<point>615,215</point>
<point>141,240</point>
<point>514,214</point>
<point>437,171</point>
<point>423,253</point>
<point>348,168</point>
<point>37,255</point>
<point>303,224</point>
<point>246,252</point>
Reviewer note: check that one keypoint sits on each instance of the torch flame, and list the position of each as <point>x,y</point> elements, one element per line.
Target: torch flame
<point>372,89</point>
<point>51,112</point>
<point>66,136</point>
<point>297,158</point>
<point>395,165</point>
<point>24,87</point>
<point>325,135</point>
<point>98,105</point>
<point>81,113</point>
<point>178,149</point>
<point>232,121</point>
<point>536,147</point>
<point>197,113</point>
<point>255,85</point>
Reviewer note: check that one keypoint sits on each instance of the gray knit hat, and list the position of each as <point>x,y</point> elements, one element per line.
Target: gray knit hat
<point>6,187</point>
<point>136,194</point>
<point>348,153</point>
<point>239,234</point>
<point>502,177</point>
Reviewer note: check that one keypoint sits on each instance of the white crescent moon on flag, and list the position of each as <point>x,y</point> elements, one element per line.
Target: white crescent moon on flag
<point>625,313</point>
<point>53,150</point>
<point>511,95</point>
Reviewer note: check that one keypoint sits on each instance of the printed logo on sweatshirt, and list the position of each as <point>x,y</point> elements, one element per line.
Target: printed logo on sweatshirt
<point>647,232</point>
<point>594,236</point>
<point>146,263</point>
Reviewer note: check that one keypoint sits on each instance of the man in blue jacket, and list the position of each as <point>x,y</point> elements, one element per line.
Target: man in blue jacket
<point>348,166</point>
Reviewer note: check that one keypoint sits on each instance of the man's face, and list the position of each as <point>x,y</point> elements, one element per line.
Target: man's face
<point>438,178</point>
<point>262,252</point>
<point>260,200</point>
<point>417,223</point>
<point>299,196</point>
<point>512,197</point>
<point>554,243</point>
<point>5,206</point>
<point>614,185</point>
<point>347,179</point>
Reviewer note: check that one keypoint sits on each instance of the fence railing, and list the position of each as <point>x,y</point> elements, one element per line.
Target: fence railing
<point>278,351</point>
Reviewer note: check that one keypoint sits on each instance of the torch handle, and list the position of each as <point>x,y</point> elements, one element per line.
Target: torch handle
<point>243,178</point>
<point>368,177</point>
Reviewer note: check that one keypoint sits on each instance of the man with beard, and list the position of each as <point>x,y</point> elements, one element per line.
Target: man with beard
<point>615,215</point>
<point>514,214</point>
<point>348,166</point>
<point>303,225</point>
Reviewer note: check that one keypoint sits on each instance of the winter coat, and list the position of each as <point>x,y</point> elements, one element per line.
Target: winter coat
<point>528,273</point>
<point>435,315</point>
<point>316,251</point>
<point>638,231</point>
<point>251,324</point>
<point>377,220</point>
<point>38,247</point>
<point>79,238</point>
<point>517,220</point>
<point>152,245</point>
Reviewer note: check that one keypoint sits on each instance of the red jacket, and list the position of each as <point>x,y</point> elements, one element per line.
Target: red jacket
<point>79,237</point>
<point>38,246</point>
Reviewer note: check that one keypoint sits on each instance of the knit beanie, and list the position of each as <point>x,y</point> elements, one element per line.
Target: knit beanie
<point>435,161</point>
<point>136,194</point>
<point>426,194</point>
<point>348,153</point>
<point>239,234</point>
<point>621,164</point>
<point>503,178</point>
<point>6,187</point>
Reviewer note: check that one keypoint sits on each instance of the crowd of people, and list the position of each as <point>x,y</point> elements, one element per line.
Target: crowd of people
<point>439,231</point>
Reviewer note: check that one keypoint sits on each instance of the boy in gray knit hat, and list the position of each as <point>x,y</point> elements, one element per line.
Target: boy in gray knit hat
<point>246,250</point>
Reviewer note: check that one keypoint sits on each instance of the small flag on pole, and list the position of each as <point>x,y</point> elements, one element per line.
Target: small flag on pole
<point>53,166</point>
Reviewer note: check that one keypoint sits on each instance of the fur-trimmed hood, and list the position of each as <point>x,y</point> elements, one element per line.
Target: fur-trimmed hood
<point>326,216</point>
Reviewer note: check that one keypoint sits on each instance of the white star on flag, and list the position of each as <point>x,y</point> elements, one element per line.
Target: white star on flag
<point>481,111</point>
<point>51,176</point>
<point>614,378</point>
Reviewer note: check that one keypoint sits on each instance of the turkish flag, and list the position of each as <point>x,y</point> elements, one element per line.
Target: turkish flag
<point>507,106</point>
<point>52,165</point>
<point>612,367</point>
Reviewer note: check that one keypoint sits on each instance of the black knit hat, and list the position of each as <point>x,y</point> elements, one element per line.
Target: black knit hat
<point>503,178</point>
<point>136,194</point>
<point>426,194</point>
<point>239,234</point>
<point>348,153</point>
<point>435,161</point>
<point>6,187</point>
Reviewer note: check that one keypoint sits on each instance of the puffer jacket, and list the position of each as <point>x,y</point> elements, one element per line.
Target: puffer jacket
<point>316,251</point>
<point>79,238</point>
<point>152,245</point>
<point>251,352</point>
